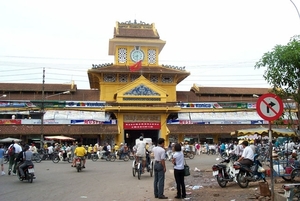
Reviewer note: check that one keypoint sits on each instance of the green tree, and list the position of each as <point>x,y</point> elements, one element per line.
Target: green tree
<point>283,69</point>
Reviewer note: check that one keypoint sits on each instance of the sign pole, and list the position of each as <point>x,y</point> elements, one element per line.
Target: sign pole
<point>271,161</point>
<point>270,107</point>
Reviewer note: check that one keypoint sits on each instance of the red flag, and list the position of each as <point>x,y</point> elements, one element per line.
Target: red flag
<point>135,67</point>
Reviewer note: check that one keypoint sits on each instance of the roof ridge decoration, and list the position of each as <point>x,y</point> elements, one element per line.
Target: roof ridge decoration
<point>135,25</point>
<point>141,90</point>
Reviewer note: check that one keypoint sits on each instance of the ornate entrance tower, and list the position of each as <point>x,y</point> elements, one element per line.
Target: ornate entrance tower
<point>138,91</point>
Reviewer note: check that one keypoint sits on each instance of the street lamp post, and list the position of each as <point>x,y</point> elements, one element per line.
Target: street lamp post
<point>42,109</point>
<point>65,92</point>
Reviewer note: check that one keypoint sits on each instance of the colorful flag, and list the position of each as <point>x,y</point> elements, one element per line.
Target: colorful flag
<point>135,67</point>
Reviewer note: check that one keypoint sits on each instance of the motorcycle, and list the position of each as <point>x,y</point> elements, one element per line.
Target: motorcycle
<point>224,171</point>
<point>124,156</point>
<point>246,174</point>
<point>28,172</point>
<point>188,154</point>
<point>101,155</point>
<point>36,157</point>
<point>59,157</point>
<point>78,163</point>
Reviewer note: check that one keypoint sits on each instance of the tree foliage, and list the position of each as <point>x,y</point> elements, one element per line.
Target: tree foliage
<point>283,68</point>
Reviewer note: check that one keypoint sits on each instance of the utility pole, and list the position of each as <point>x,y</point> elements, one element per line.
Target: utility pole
<point>42,110</point>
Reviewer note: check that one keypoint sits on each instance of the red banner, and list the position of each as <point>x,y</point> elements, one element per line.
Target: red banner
<point>10,121</point>
<point>142,125</point>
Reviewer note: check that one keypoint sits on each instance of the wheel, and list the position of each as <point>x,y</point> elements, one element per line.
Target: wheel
<point>241,179</point>
<point>70,160</point>
<point>38,159</point>
<point>151,169</point>
<point>30,177</point>
<point>287,177</point>
<point>222,183</point>
<point>131,158</point>
<point>295,173</point>
<point>224,155</point>
<point>191,156</point>
<point>6,160</point>
<point>139,170</point>
<point>94,158</point>
<point>126,158</point>
<point>112,158</point>
<point>78,167</point>
<point>133,172</point>
<point>55,159</point>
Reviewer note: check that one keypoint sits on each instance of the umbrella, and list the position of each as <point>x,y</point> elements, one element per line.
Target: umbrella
<point>265,131</point>
<point>58,137</point>
<point>10,139</point>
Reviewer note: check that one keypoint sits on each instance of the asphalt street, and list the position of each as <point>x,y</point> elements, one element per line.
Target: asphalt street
<point>101,180</point>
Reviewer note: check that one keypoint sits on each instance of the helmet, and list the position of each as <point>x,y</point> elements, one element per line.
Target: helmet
<point>141,138</point>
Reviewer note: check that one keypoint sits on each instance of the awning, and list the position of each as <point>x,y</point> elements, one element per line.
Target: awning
<point>282,132</point>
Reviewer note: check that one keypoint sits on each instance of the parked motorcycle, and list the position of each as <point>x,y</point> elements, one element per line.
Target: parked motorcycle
<point>246,174</point>
<point>101,155</point>
<point>36,157</point>
<point>224,171</point>
<point>188,154</point>
<point>78,163</point>
<point>28,172</point>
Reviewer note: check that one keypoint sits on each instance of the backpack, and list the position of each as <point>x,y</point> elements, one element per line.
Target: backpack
<point>11,150</point>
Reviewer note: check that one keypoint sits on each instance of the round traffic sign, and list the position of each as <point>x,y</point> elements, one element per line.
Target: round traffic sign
<point>269,107</point>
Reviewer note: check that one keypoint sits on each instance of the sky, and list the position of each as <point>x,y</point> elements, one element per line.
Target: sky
<point>217,41</point>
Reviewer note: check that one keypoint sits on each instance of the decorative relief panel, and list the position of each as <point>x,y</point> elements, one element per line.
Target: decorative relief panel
<point>167,79</point>
<point>123,78</point>
<point>141,90</point>
<point>151,56</point>
<point>133,77</point>
<point>122,55</point>
<point>110,77</point>
<point>154,78</point>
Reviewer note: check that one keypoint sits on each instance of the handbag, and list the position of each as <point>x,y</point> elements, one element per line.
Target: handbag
<point>186,169</point>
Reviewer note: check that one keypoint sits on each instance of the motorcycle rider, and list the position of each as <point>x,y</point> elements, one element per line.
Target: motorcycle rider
<point>247,157</point>
<point>79,152</point>
<point>27,155</point>
<point>121,151</point>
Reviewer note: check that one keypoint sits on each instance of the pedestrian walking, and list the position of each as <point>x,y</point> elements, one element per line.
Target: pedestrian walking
<point>2,159</point>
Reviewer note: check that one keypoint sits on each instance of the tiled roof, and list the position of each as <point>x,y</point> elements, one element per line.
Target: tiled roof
<point>136,33</point>
<point>37,87</point>
<point>230,90</point>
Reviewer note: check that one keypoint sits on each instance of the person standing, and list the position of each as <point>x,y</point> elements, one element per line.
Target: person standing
<point>2,159</point>
<point>178,161</point>
<point>159,169</point>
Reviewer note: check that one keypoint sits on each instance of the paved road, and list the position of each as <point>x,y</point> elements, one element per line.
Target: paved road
<point>101,180</point>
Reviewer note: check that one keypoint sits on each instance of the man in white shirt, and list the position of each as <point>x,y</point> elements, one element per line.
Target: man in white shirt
<point>141,151</point>
<point>247,157</point>
<point>18,149</point>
